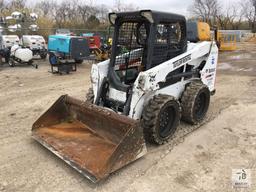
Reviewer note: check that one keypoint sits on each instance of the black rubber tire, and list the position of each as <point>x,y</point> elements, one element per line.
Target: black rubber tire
<point>155,130</point>
<point>43,55</point>
<point>11,63</point>
<point>7,59</point>
<point>195,102</point>
<point>79,61</point>
<point>90,96</point>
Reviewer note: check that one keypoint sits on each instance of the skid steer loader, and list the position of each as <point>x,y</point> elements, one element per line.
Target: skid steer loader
<point>159,72</point>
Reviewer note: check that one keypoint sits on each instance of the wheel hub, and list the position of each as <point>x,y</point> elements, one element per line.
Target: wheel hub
<point>166,121</point>
<point>200,105</point>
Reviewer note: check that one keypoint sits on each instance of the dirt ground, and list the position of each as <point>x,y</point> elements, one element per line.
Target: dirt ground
<point>198,161</point>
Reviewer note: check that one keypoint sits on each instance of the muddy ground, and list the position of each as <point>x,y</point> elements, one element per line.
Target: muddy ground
<point>201,160</point>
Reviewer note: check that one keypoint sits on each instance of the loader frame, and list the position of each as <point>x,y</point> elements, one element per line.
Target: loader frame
<point>153,78</point>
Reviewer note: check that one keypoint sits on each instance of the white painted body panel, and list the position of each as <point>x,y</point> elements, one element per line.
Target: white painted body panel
<point>147,82</point>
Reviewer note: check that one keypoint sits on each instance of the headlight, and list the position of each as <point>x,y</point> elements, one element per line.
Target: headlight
<point>112,18</point>
<point>148,15</point>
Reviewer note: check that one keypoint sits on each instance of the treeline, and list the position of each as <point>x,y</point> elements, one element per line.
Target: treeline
<point>76,15</point>
<point>241,15</point>
<point>86,14</point>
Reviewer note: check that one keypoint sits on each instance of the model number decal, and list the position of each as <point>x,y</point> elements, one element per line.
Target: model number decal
<point>181,61</point>
<point>210,70</point>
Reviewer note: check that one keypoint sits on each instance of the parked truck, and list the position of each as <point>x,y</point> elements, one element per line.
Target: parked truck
<point>36,44</point>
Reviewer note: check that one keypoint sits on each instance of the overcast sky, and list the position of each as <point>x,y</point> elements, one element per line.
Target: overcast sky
<point>176,6</point>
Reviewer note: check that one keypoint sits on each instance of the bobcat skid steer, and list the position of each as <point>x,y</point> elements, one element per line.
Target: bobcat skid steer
<point>159,73</point>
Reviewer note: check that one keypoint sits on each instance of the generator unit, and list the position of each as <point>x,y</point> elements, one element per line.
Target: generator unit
<point>20,55</point>
<point>94,40</point>
<point>36,44</point>
<point>66,51</point>
<point>6,42</point>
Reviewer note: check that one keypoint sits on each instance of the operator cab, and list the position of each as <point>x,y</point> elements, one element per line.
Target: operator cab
<point>143,40</point>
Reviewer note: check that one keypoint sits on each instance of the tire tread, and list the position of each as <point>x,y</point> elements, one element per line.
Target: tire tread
<point>150,115</point>
<point>188,101</point>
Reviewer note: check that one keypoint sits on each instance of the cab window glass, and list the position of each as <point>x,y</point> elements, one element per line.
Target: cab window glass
<point>168,33</point>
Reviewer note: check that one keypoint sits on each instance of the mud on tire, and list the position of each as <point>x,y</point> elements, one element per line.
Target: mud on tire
<point>89,96</point>
<point>160,118</point>
<point>195,102</point>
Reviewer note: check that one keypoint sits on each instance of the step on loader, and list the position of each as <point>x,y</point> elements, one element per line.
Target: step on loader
<point>162,70</point>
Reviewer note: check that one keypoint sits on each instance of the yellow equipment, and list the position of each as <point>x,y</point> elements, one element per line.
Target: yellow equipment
<point>110,40</point>
<point>101,54</point>
<point>198,31</point>
<point>227,42</point>
<point>204,31</point>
